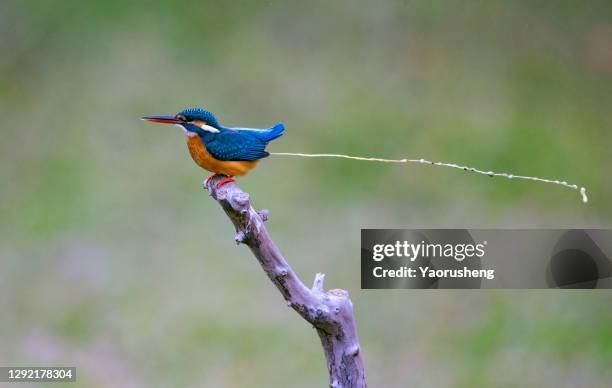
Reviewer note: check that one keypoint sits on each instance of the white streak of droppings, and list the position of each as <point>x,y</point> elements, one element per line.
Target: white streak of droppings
<point>443,164</point>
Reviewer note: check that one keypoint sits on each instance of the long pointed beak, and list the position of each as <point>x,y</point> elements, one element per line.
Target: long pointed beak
<point>161,119</point>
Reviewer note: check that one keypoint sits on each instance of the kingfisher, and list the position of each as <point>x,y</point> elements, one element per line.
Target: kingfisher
<point>218,149</point>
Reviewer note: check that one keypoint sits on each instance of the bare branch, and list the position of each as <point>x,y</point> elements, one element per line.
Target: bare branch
<point>331,313</point>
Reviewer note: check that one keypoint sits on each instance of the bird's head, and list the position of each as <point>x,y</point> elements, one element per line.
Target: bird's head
<point>191,121</point>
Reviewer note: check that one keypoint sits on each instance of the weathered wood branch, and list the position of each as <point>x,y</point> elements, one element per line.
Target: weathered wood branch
<point>331,312</point>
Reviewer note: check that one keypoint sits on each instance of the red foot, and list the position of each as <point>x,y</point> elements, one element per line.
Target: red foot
<point>224,181</point>
<point>208,180</point>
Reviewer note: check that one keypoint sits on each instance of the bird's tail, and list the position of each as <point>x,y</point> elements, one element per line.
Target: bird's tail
<point>274,132</point>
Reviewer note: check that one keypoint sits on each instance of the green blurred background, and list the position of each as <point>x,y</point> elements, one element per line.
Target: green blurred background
<point>115,261</point>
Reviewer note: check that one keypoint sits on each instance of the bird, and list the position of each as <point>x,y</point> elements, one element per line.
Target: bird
<point>221,150</point>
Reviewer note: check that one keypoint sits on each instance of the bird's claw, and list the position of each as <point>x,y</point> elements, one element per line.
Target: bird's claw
<point>223,181</point>
<point>207,181</point>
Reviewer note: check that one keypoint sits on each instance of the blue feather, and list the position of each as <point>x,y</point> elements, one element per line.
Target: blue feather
<point>267,134</point>
<point>230,144</point>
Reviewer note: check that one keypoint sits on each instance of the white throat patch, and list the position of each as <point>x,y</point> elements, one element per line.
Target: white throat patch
<point>185,131</point>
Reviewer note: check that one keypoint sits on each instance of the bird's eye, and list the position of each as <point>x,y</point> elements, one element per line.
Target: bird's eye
<point>181,117</point>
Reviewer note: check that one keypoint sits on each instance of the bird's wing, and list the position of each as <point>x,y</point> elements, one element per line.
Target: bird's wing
<point>237,145</point>
<point>267,134</point>
<point>239,129</point>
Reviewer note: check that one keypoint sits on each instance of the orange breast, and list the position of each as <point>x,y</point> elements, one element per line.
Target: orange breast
<point>205,160</point>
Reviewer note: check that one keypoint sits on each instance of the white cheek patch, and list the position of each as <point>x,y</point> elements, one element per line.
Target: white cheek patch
<point>208,128</point>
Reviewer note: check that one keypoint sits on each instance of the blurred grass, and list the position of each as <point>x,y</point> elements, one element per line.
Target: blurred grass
<point>116,262</point>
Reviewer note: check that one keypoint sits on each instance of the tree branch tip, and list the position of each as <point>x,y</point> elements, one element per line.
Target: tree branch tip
<point>208,188</point>
<point>317,284</point>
